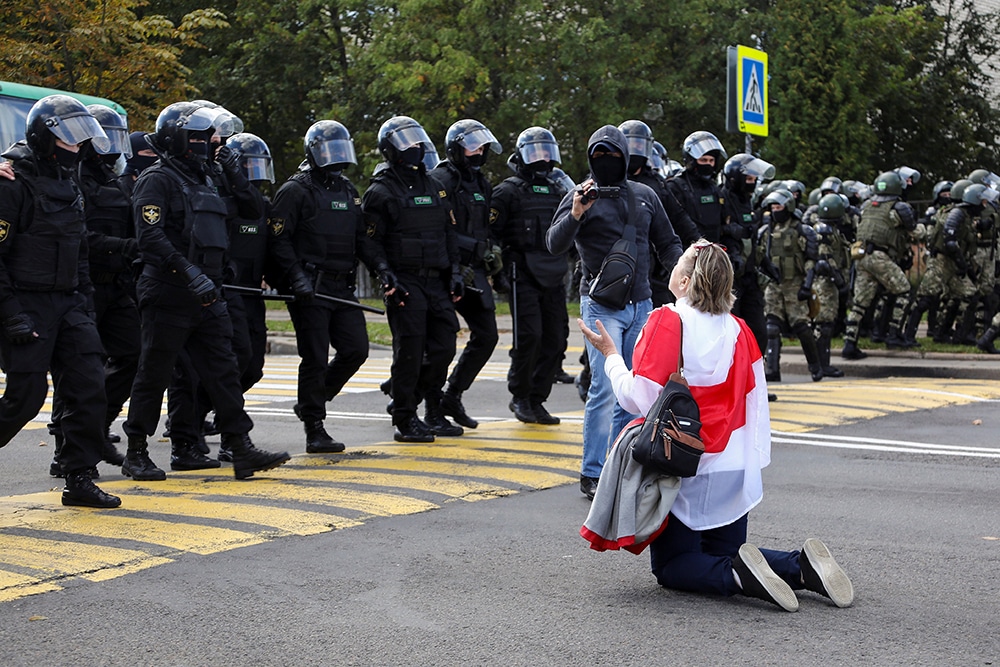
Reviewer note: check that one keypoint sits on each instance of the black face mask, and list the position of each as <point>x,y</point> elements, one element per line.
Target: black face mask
<point>635,163</point>
<point>333,170</point>
<point>781,216</point>
<point>476,161</point>
<point>412,156</point>
<point>66,158</point>
<point>199,150</point>
<point>705,171</point>
<point>607,169</point>
<point>110,160</point>
<point>139,163</point>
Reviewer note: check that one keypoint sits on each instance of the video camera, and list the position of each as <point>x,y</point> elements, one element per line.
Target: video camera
<point>601,192</point>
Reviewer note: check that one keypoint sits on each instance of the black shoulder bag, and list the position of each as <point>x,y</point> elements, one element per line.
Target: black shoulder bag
<point>612,286</point>
<point>670,439</point>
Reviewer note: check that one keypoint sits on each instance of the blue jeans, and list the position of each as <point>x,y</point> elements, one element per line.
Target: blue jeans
<point>603,418</point>
<point>702,561</point>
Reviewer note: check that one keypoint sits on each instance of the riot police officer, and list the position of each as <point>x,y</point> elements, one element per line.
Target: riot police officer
<point>467,145</point>
<point>183,239</point>
<point>44,292</point>
<point>883,235</point>
<point>640,156</point>
<point>319,233</point>
<point>520,215</point>
<point>408,214</point>
<point>830,283</point>
<point>695,187</point>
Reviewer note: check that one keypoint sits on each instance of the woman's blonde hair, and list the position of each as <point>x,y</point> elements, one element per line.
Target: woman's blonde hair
<point>710,271</point>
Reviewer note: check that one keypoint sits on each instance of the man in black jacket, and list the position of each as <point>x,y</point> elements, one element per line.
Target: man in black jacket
<point>603,210</point>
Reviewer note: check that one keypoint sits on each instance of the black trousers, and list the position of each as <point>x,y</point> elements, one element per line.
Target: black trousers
<point>480,314</point>
<point>423,342</point>
<point>750,307</point>
<point>70,347</point>
<point>542,330</point>
<point>318,326</point>
<point>173,321</point>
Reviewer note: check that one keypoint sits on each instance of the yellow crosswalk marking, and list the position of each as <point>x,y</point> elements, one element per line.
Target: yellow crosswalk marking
<point>59,558</point>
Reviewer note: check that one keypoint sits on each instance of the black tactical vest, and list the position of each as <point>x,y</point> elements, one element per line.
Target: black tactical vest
<point>417,239</point>
<point>109,213</point>
<point>205,236</point>
<point>537,203</point>
<point>327,240</point>
<point>45,257</point>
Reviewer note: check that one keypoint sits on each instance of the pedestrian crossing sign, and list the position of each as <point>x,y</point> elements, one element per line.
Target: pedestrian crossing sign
<point>751,90</point>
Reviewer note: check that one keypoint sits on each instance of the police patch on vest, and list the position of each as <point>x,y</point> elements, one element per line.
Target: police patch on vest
<point>423,201</point>
<point>151,214</point>
<point>541,189</point>
<point>277,226</point>
<point>338,205</point>
<point>4,230</point>
<point>708,199</point>
<point>248,229</point>
<point>478,197</point>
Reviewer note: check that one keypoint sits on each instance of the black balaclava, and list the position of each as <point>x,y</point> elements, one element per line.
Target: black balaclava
<point>412,156</point>
<point>607,169</point>
<point>781,216</point>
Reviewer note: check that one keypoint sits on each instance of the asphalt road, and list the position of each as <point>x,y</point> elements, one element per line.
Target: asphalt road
<point>894,488</point>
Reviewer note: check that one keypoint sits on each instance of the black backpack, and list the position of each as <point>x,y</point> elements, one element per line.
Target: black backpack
<point>670,439</point>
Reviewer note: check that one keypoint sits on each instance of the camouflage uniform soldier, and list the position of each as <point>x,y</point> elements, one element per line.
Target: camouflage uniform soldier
<point>977,314</point>
<point>886,223</point>
<point>831,266</point>
<point>790,249</point>
<point>951,243</point>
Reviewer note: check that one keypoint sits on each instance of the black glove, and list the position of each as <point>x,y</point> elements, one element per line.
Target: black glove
<point>302,287</point>
<point>19,329</point>
<point>805,293</point>
<point>201,286</point>
<point>457,286</point>
<point>129,249</point>
<point>387,279</point>
<point>228,159</point>
<point>501,283</point>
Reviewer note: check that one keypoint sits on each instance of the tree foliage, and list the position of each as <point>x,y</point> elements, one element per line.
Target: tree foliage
<point>856,86</point>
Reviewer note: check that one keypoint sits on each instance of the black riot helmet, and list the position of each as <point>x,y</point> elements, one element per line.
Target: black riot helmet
<point>116,127</point>
<point>831,184</point>
<point>658,161</point>
<point>640,143</point>
<point>942,192</point>
<point>255,156</point>
<point>227,123</point>
<point>65,118</point>
<point>702,143</point>
<point>783,198</point>
<point>469,135</point>
<point>180,122</point>
<point>329,144</point>
<point>537,153</point>
<point>741,165</point>
<point>831,207</point>
<point>400,134</point>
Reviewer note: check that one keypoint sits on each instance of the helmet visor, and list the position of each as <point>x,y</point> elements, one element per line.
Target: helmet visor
<point>203,118</point>
<point>258,168</point>
<point>79,128</point>
<point>704,144</point>
<point>542,151</point>
<point>408,137</point>
<point>118,142</point>
<point>759,168</point>
<point>471,141</point>
<point>431,158</point>
<point>333,151</point>
<point>991,180</point>
<point>640,146</point>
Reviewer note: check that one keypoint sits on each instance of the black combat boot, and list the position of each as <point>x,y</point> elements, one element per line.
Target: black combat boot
<point>138,465</point>
<point>543,416</point>
<point>247,459</point>
<point>412,429</point>
<point>851,350</point>
<point>110,453</point>
<point>985,342</point>
<point>895,340</point>
<point>772,359</point>
<point>945,321</point>
<point>825,332</point>
<point>965,326</point>
<point>318,441</point>
<point>805,335</point>
<point>55,468</point>
<point>913,321</point>
<point>81,491</point>
<point>186,456</point>
<point>451,406</point>
<point>437,422</point>
<point>521,408</point>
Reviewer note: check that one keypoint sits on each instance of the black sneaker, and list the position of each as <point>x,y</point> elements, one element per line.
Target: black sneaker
<point>821,574</point>
<point>588,485</point>
<point>412,430</point>
<point>759,580</point>
<point>81,491</point>
<point>542,416</point>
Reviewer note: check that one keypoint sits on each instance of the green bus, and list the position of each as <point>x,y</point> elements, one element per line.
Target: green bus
<point>16,99</point>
